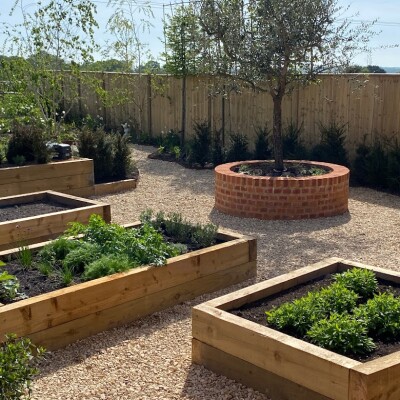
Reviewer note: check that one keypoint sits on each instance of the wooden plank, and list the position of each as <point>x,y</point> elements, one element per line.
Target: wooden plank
<point>70,200</point>
<point>28,228</point>
<point>114,187</point>
<point>57,307</point>
<point>86,191</point>
<point>274,386</point>
<point>58,169</point>
<point>54,337</point>
<point>66,183</point>
<point>317,369</point>
<point>275,285</point>
<point>22,198</point>
<point>393,276</point>
<point>376,379</point>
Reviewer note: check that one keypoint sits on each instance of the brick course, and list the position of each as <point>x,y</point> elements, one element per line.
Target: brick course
<point>269,198</point>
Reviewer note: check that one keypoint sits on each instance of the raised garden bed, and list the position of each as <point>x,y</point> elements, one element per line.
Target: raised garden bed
<point>280,365</point>
<point>56,319</point>
<point>74,176</point>
<point>20,225</point>
<point>281,197</point>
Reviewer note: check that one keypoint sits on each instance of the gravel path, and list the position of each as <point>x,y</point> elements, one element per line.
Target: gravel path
<point>150,358</point>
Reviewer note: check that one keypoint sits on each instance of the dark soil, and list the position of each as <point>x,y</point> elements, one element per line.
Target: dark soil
<point>10,213</point>
<point>255,311</point>
<point>170,157</point>
<point>291,170</point>
<point>32,281</point>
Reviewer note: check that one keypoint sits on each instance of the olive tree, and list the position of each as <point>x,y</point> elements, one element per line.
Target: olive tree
<point>276,44</point>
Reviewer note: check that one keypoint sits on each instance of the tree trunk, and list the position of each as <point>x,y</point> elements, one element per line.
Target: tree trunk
<point>183,126</point>
<point>277,133</point>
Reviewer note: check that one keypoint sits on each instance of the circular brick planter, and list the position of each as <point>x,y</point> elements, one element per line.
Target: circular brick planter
<point>266,197</point>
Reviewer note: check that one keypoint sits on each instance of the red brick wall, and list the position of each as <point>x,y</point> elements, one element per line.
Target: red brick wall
<point>265,197</point>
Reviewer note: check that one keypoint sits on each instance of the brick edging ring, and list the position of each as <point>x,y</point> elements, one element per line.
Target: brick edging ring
<point>269,198</point>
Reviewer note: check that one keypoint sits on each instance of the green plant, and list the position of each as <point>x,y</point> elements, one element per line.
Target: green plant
<point>170,140</point>
<point>341,333</point>
<point>28,141</point>
<point>9,286</point>
<point>176,150</point>
<point>331,148</point>
<point>200,145</point>
<point>371,164</point>
<point>3,148</point>
<point>262,150</point>
<point>360,280</point>
<point>45,268</point>
<point>293,147</point>
<point>18,358</point>
<point>24,256</point>
<point>204,235</point>
<point>107,265</point>
<point>122,162</point>
<point>393,178</point>
<point>67,274</point>
<point>19,160</point>
<point>238,147</point>
<point>181,230</point>
<point>82,255</point>
<point>177,227</point>
<point>143,245</point>
<point>381,315</point>
<point>217,152</point>
<point>110,153</point>
<point>299,315</point>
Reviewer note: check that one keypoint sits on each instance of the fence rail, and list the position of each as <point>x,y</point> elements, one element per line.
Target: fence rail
<point>368,105</point>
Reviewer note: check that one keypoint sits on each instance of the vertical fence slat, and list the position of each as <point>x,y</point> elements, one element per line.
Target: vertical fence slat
<point>366,104</point>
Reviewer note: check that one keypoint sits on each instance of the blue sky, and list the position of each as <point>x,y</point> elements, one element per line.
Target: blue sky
<point>386,11</point>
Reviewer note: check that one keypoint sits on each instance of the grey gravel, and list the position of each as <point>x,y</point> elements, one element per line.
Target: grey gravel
<point>151,358</point>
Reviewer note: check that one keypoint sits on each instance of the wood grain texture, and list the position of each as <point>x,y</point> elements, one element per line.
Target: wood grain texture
<point>274,386</point>
<point>120,298</point>
<point>244,350</point>
<point>45,226</point>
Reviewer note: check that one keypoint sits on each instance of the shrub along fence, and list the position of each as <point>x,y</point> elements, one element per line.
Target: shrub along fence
<point>366,104</point>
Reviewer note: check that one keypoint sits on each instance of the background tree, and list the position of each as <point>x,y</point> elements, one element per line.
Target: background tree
<point>183,43</point>
<point>276,44</point>
<point>56,38</point>
<point>128,20</point>
<point>357,69</point>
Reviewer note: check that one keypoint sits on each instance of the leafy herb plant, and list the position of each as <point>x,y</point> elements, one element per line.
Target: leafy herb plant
<point>18,357</point>
<point>180,230</point>
<point>341,333</point>
<point>346,316</point>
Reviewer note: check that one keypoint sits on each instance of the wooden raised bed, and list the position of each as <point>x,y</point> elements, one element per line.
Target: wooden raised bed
<point>101,189</point>
<point>58,318</point>
<point>74,176</point>
<point>47,226</point>
<point>283,367</point>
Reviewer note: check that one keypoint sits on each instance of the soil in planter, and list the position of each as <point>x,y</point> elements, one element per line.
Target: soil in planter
<point>255,311</point>
<point>291,170</point>
<point>170,157</point>
<point>10,213</point>
<point>33,282</point>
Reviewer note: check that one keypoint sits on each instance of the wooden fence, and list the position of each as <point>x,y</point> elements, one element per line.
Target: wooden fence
<point>366,104</point>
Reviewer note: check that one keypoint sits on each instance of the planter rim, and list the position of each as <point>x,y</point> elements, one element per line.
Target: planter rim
<point>334,170</point>
<point>103,279</point>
